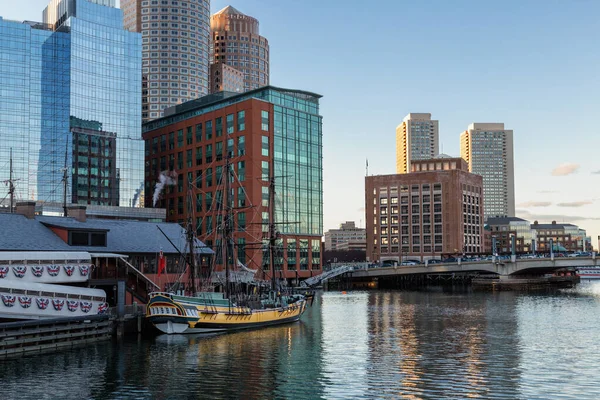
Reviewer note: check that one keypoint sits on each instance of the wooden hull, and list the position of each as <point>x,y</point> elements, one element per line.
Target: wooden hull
<point>178,316</point>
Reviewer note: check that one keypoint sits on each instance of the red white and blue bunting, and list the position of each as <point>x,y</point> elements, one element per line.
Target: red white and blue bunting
<point>37,270</point>
<point>19,270</point>
<point>102,308</point>
<point>86,306</point>
<point>42,302</point>
<point>53,270</point>
<point>72,305</point>
<point>84,270</point>
<point>25,301</point>
<point>8,300</point>
<point>58,304</point>
<point>69,269</point>
<point>3,271</point>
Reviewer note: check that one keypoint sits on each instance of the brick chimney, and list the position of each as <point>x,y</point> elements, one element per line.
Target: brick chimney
<point>77,212</point>
<point>26,208</point>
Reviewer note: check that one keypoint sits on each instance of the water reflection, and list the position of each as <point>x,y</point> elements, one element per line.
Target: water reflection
<point>429,344</point>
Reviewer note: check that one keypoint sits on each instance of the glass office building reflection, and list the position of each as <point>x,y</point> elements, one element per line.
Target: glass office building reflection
<point>70,88</point>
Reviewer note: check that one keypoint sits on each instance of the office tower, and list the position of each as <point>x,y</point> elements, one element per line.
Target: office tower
<point>347,237</point>
<point>196,138</point>
<point>175,50</point>
<point>236,42</point>
<point>432,211</point>
<point>488,149</point>
<point>267,132</point>
<point>71,99</point>
<point>226,78</point>
<point>417,138</point>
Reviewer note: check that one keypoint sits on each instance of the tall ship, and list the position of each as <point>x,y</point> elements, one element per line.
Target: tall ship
<point>226,300</point>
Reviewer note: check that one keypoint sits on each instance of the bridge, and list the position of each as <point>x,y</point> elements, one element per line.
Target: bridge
<point>511,267</point>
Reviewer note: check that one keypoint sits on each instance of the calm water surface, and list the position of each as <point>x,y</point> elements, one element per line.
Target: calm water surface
<point>430,344</point>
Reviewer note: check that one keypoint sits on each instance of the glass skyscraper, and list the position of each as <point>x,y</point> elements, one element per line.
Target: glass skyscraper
<point>71,96</point>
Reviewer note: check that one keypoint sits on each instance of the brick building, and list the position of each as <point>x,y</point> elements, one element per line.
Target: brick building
<point>565,237</point>
<point>435,210</point>
<point>264,133</point>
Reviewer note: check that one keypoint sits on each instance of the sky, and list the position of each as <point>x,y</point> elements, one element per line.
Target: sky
<point>533,65</point>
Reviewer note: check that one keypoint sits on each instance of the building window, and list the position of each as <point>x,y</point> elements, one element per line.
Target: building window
<point>219,126</point>
<point>265,170</point>
<point>189,135</point>
<point>198,132</point>
<point>209,126</point>
<point>241,171</point>
<point>241,120</point>
<point>264,120</point>
<point>241,145</point>
<point>180,138</point>
<point>291,254</point>
<point>229,123</point>
<point>198,156</point>
<point>265,146</point>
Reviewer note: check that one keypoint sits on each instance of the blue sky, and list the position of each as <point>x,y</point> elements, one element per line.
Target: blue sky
<point>534,65</point>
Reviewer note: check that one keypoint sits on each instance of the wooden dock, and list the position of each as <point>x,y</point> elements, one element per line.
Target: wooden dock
<point>25,337</point>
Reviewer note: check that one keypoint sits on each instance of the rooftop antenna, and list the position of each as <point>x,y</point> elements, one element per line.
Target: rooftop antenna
<point>367,167</point>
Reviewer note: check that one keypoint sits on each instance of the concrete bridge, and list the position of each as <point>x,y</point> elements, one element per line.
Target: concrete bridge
<point>511,267</point>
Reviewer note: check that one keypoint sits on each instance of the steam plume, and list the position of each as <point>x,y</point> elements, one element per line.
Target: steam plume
<point>166,178</point>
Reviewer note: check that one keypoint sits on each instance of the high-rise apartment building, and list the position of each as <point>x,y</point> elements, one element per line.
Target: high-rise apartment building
<point>175,50</point>
<point>71,97</point>
<point>348,236</point>
<point>265,133</point>
<point>236,42</point>
<point>434,210</point>
<point>417,138</point>
<point>488,150</point>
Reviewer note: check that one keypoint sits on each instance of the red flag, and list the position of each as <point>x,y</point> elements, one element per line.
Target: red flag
<point>162,263</point>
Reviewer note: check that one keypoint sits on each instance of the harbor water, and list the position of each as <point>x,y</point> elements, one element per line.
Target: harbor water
<point>433,344</point>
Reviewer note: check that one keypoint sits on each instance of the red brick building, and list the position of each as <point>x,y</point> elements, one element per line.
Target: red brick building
<point>434,211</point>
<point>257,131</point>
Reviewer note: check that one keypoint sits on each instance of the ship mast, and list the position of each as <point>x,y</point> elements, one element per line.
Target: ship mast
<point>65,180</point>
<point>192,259</point>
<point>272,232</point>
<point>11,186</point>
<point>226,226</point>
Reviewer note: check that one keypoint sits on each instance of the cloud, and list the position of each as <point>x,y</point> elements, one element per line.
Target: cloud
<point>575,203</point>
<point>565,169</point>
<point>535,204</point>
<point>547,218</point>
<point>596,172</point>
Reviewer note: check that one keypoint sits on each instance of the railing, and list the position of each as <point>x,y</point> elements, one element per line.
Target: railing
<point>326,275</point>
<point>139,273</point>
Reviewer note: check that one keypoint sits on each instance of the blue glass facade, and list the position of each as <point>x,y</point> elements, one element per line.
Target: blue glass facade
<point>84,77</point>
